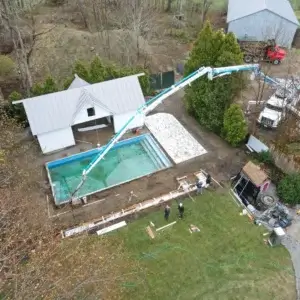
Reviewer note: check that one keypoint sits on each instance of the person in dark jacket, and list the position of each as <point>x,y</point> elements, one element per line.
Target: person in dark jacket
<point>181,210</point>
<point>167,212</point>
<point>208,179</point>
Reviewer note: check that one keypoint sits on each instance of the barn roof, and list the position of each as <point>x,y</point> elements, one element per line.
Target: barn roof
<point>238,9</point>
<point>55,111</point>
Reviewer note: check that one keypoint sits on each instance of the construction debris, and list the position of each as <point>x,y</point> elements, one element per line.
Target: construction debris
<point>111,228</point>
<point>150,232</point>
<point>166,226</point>
<point>193,228</point>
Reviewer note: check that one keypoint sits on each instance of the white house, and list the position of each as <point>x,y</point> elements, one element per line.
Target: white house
<point>52,116</point>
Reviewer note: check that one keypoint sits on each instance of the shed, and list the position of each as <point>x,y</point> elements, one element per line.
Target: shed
<point>52,117</point>
<point>261,20</point>
<point>257,176</point>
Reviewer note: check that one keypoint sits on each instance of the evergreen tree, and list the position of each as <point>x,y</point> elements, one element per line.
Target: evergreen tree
<point>37,90</point>
<point>16,111</point>
<point>68,82</point>
<point>49,86</point>
<point>208,100</point>
<point>235,127</point>
<point>98,71</point>
<point>81,70</point>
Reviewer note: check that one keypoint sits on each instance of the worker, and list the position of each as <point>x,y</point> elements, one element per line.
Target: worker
<point>199,186</point>
<point>181,210</point>
<point>167,212</point>
<point>208,180</point>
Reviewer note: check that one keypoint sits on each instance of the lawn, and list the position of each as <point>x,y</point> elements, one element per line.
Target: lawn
<point>226,260</point>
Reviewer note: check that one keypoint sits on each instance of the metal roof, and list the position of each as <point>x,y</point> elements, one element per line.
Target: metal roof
<point>55,111</point>
<point>78,82</point>
<point>238,9</point>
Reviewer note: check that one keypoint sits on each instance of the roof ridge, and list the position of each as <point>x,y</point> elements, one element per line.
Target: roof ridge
<point>100,103</point>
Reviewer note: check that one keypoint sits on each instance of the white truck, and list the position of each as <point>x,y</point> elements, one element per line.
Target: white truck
<point>275,108</point>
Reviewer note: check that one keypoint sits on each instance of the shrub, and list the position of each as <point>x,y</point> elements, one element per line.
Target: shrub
<point>265,157</point>
<point>235,127</point>
<point>289,189</point>
<point>7,65</point>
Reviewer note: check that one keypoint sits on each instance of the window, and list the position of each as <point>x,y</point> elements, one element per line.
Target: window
<point>275,108</point>
<point>91,112</point>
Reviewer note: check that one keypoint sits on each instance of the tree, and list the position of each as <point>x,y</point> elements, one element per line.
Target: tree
<point>6,65</point>
<point>98,71</point>
<point>205,6</point>
<point>289,189</point>
<point>235,127</point>
<point>15,112</point>
<point>207,100</point>
<point>81,70</point>
<point>49,86</point>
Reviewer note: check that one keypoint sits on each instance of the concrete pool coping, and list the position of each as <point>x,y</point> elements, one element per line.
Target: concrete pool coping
<point>146,136</point>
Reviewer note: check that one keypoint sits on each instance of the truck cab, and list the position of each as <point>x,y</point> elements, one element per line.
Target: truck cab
<point>275,54</point>
<point>274,110</point>
<point>255,51</point>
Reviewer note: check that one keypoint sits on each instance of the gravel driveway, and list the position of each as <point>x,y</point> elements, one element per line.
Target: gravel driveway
<point>292,244</point>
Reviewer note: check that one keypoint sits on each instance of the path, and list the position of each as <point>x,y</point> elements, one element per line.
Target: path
<point>292,244</point>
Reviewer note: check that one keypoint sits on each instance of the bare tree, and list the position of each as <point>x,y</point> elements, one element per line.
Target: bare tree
<point>10,18</point>
<point>205,6</point>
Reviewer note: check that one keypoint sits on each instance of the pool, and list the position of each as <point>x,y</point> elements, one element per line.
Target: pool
<point>127,160</point>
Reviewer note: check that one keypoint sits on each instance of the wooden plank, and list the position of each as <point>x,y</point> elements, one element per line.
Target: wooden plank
<point>150,232</point>
<point>158,229</point>
<point>111,228</point>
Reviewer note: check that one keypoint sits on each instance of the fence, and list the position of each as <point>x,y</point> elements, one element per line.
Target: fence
<point>162,80</point>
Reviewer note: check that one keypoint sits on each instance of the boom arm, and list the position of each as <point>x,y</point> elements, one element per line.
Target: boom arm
<point>158,99</point>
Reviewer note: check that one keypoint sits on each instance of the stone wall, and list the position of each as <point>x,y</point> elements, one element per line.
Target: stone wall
<point>285,162</point>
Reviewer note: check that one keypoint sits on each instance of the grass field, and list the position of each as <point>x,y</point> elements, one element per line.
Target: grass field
<point>226,260</point>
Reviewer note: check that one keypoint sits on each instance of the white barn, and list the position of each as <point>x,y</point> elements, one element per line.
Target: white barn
<point>52,116</point>
<point>261,20</point>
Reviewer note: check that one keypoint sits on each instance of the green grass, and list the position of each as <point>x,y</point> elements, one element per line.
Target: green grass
<point>226,260</point>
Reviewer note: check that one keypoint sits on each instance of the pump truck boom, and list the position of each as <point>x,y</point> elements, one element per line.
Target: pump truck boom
<point>158,99</point>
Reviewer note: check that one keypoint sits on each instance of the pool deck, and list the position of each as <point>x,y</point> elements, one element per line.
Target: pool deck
<point>174,138</point>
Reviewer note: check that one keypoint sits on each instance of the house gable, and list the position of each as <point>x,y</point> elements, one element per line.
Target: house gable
<point>89,108</point>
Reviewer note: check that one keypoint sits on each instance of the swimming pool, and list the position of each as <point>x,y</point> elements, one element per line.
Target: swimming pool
<point>127,160</point>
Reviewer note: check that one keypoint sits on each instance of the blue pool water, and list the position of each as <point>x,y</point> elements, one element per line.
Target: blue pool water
<point>127,160</point>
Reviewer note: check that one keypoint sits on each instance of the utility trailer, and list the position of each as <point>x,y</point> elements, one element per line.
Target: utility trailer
<point>255,51</point>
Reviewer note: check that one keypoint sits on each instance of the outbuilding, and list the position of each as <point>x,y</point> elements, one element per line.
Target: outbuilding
<point>52,117</point>
<point>262,20</point>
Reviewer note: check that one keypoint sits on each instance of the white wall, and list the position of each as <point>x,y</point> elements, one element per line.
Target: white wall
<point>82,115</point>
<point>56,140</point>
<point>120,120</point>
<point>264,25</point>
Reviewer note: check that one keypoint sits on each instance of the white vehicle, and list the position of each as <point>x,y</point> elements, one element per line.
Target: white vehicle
<point>275,108</point>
